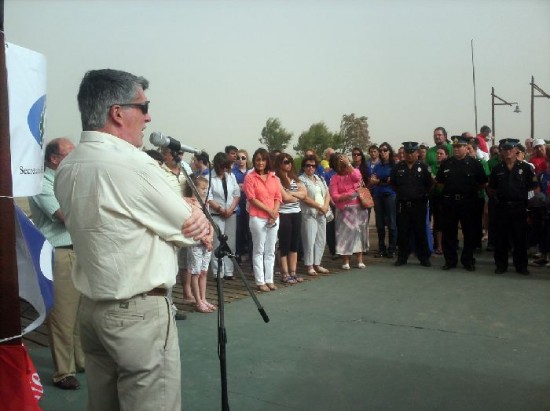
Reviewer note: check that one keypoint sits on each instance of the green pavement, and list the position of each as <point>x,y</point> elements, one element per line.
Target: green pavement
<point>384,338</point>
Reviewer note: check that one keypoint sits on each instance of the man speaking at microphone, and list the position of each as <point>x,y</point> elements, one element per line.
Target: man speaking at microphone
<point>126,223</point>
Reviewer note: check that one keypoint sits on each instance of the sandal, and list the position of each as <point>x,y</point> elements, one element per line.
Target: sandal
<point>322,270</point>
<point>296,278</point>
<point>202,308</point>
<point>271,286</point>
<point>311,271</point>
<point>189,300</point>
<point>263,287</point>
<point>287,279</point>
<point>211,306</point>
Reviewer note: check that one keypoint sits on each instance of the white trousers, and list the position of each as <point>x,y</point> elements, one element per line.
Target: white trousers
<point>263,249</point>
<point>228,226</point>
<point>314,238</point>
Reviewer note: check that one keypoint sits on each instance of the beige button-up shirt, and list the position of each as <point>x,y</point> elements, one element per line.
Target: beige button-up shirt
<point>124,218</point>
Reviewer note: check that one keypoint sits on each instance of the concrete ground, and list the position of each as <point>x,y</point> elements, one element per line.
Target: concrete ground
<point>384,338</point>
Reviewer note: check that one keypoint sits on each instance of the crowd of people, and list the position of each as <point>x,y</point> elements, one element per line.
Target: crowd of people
<point>126,224</point>
<point>289,210</point>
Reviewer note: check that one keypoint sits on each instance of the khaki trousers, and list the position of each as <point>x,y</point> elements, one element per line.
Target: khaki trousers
<point>62,319</point>
<point>132,354</point>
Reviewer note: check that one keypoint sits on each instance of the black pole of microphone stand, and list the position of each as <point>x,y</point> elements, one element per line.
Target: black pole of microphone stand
<point>221,251</point>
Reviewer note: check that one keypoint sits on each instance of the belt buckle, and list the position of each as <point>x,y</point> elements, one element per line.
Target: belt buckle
<point>458,197</point>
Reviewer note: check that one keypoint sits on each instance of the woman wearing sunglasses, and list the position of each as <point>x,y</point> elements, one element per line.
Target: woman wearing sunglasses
<point>315,206</point>
<point>292,191</point>
<point>384,202</point>
<point>243,243</point>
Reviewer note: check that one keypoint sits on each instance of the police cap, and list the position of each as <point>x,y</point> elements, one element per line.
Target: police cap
<point>508,143</point>
<point>460,140</point>
<point>410,146</point>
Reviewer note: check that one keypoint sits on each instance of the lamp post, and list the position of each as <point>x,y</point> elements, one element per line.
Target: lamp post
<point>542,94</point>
<point>502,103</point>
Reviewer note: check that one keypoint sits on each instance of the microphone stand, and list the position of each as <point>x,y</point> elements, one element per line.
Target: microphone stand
<point>221,251</point>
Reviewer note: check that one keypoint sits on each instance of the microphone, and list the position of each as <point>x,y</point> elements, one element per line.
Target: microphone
<point>160,140</point>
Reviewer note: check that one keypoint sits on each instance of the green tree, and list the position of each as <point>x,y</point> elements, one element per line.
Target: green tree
<point>354,132</point>
<point>274,136</point>
<point>318,138</point>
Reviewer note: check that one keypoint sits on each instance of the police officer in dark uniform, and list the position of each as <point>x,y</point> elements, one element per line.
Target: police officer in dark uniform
<point>412,182</point>
<point>509,184</point>
<point>461,177</point>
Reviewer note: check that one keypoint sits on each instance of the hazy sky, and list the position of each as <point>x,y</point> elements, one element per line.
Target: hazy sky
<point>219,69</point>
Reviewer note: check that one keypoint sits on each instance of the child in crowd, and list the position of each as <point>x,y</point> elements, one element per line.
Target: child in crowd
<point>198,256</point>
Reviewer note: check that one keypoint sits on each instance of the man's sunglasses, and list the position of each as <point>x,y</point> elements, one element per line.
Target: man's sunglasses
<point>144,107</point>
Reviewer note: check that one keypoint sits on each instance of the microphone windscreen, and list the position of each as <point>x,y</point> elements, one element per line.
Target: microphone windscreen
<point>158,139</point>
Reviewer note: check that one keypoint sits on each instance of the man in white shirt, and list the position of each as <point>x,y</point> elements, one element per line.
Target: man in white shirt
<point>126,223</point>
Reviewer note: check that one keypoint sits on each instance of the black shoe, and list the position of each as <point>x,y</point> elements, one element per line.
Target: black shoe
<point>400,262</point>
<point>68,383</point>
<point>381,254</point>
<point>390,254</point>
<point>522,271</point>
<point>448,267</point>
<point>470,267</point>
<point>426,263</point>
<point>500,270</point>
<point>180,316</point>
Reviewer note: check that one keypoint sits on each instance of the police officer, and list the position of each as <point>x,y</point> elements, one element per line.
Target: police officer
<point>412,182</point>
<point>509,184</point>
<point>461,177</point>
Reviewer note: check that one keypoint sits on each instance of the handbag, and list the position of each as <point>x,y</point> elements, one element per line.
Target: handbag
<point>365,197</point>
<point>329,215</point>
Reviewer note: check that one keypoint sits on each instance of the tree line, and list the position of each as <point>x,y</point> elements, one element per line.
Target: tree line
<point>354,132</point>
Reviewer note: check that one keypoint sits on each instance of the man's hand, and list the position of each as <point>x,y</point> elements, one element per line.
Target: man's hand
<point>196,226</point>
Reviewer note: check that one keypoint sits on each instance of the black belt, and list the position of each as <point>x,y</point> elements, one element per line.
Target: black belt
<point>459,197</point>
<point>157,292</point>
<point>65,247</point>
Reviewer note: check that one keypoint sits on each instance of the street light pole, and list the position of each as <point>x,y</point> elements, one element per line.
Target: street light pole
<point>502,103</point>
<point>542,94</point>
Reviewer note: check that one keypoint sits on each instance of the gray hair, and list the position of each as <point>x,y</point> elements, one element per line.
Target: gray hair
<point>100,89</point>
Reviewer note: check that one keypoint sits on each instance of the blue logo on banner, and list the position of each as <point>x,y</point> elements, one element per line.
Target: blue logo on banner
<point>36,119</point>
<point>41,255</point>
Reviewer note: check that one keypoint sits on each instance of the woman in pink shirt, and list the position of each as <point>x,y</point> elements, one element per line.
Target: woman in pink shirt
<point>351,219</point>
<point>263,193</point>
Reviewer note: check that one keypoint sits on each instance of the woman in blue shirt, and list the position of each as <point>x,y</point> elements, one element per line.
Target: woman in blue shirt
<point>384,201</point>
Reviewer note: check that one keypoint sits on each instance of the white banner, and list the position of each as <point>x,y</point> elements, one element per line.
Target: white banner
<point>27,104</point>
